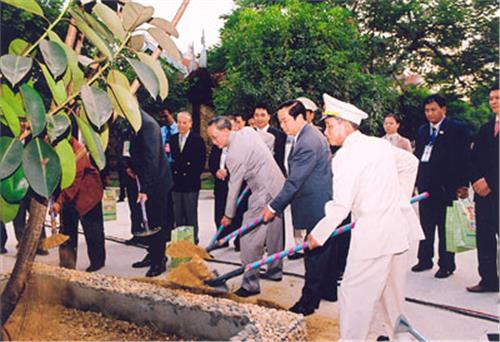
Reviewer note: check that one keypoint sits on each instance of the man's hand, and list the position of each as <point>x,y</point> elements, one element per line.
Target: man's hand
<point>142,197</point>
<point>226,221</point>
<point>130,173</point>
<point>481,187</point>
<point>55,208</point>
<point>268,214</point>
<point>221,174</point>
<point>312,243</point>
<point>462,192</point>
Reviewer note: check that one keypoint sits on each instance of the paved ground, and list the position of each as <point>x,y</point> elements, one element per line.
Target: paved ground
<point>434,323</point>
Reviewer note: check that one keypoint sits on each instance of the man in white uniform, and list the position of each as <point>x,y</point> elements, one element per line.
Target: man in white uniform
<point>372,179</point>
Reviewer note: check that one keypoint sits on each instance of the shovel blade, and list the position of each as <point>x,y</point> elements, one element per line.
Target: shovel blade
<point>147,232</point>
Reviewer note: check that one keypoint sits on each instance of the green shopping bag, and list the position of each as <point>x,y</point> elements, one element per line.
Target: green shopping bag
<point>109,205</point>
<point>460,227</point>
<point>182,233</point>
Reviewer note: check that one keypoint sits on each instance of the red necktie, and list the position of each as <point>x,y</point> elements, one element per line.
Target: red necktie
<point>497,127</point>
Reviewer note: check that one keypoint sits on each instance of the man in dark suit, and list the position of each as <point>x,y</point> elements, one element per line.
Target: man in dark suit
<point>149,163</point>
<point>188,155</point>
<point>262,117</point>
<point>442,146</point>
<point>484,179</point>
<point>308,188</point>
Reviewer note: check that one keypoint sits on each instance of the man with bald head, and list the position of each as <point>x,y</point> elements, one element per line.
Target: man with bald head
<point>188,154</point>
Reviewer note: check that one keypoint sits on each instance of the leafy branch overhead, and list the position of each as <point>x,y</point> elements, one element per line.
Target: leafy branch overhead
<point>88,87</point>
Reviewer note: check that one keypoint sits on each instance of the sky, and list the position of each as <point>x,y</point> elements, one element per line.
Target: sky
<point>199,15</point>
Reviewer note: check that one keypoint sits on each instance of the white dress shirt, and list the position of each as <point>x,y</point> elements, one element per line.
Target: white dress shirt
<point>373,180</point>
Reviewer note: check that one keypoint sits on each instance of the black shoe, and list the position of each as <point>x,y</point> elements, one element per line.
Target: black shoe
<point>156,270</point>
<point>420,267</point>
<point>224,245</point>
<point>329,297</point>
<point>443,273</point>
<point>41,251</point>
<point>241,292</point>
<point>481,288</point>
<point>270,277</point>
<point>93,268</point>
<point>3,250</point>
<point>383,338</point>
<point>146,262</point>
<point>237,247</point>
<point>300,308</point>
<point>296,256</point>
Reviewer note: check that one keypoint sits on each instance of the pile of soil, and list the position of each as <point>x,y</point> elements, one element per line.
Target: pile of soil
<point>191,274</point>
<point>186,249</point>
<point>320,328</point>
<point>34,320</point>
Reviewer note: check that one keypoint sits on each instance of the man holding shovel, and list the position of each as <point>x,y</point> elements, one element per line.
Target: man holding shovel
<point>373,180</point>
<point>249,159</point>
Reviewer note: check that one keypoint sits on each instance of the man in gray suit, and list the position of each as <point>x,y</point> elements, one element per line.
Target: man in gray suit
<point>308,188</point>
<point>249,159</point>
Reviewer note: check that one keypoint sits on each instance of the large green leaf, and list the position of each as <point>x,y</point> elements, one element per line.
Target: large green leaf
<point>42,167</point>
<point>135,14</point>
<point>104,136</point>
<point>8,211</point>
<point>14,68</point>
<point>18,46</point>
<point>35,109</point>
<point>14,100</point>
<point>146,75</point>
<point>98,27</point>
<point>54,56</point>
<point>58,89</point>
<point>166,26</point>
<point>57,125</point>
<point>27,5</point>
<point>14,187</point>
<point>116,77</point>
<point>93,36</point>
<point>76,73</point>
<point>97,104</point>
<point>160,74</point>
<point>11,154</point>
<point>68,163</point>
<point>93,143</point>
<point>11,116</point>
<point>111,20</point>
<point>166,43</point>
<point>127,103</point>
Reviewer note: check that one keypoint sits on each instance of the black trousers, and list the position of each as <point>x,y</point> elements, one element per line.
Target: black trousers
<point>135,209</point>
<point>93,229</point>
<point>220,207</point>
<point>487,211</point>
<point>159,208</point>
<point>432,215</point>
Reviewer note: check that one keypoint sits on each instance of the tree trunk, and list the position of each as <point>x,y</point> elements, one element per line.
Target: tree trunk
<point>24,262</point>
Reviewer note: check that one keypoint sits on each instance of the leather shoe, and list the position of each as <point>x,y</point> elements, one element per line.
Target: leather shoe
<point>241,292</point>
<point>300,308</point>
<point>3,250</point>
<point>420,267</point>
<point>146,262</point>
<point>156,270</point>
<point>443,273</point>
<point>481,289</point>
<point>269,277</point>
<point>93,268</point>
<point>224,245</point>
<point>383,338</point>
<point>296,256</point>
<point>329,297</point>
<point>41,251</point>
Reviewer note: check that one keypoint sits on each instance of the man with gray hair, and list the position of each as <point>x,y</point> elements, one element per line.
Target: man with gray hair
<point>188,154</point>
<point>249,159</point>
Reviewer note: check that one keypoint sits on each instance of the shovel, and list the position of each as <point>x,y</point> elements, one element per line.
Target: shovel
<point>213,242</point>
<point>403,326</point>
<point>145,231</point>
<point>220,282</point>
<point>56,239</point>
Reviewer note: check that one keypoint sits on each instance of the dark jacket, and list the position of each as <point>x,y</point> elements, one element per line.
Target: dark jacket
<point>309,183</point>
<point>86,191</point>
<point>484,158</point>
<point>188,165</point>
<point>279,147</point>
<point>447,169</point>
<point>147,158</point>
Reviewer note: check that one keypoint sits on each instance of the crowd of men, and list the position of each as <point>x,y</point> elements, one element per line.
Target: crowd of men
<point>326,178</point>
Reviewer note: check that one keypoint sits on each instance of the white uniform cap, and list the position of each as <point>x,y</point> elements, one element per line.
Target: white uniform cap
<point>344,110</point>
<point>308,104</point>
